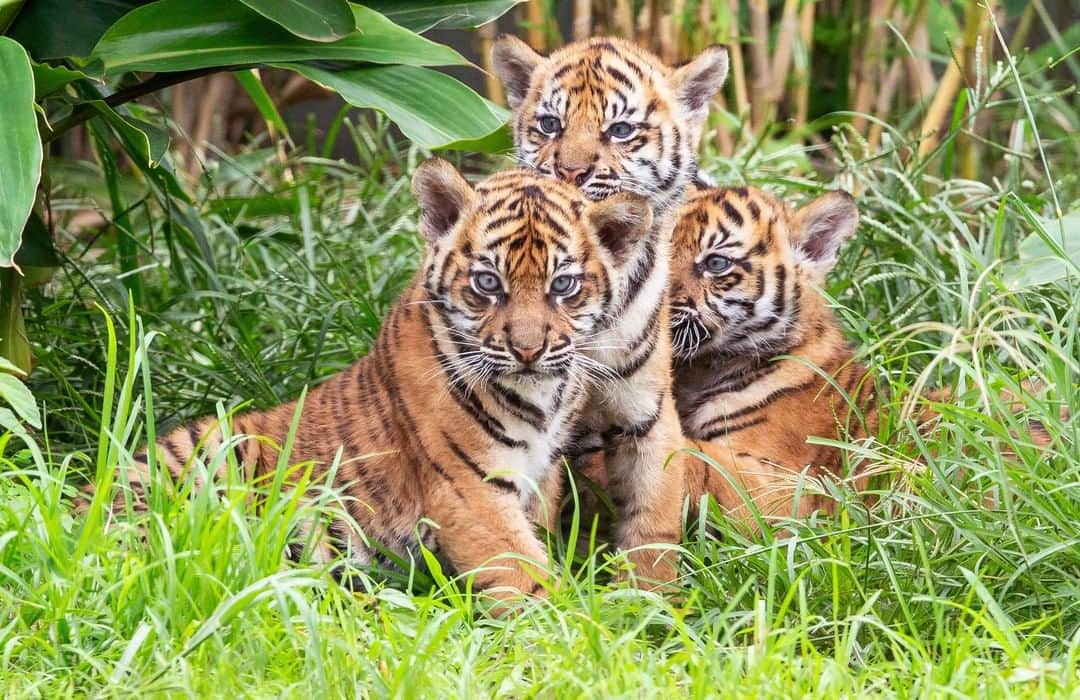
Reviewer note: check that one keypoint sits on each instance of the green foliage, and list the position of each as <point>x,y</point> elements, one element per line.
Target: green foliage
<point>109,41</point>
<point>957,575</point>
<point>20,148</point>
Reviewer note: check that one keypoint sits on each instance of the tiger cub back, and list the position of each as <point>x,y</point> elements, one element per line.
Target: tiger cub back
<point>754,342</point>
<point>459,413</point>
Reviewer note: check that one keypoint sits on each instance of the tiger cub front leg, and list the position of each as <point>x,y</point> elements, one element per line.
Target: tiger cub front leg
<point>481,528</point>
<point>645,481</point>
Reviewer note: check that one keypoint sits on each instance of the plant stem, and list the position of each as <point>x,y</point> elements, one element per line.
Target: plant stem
<point>159,81</point>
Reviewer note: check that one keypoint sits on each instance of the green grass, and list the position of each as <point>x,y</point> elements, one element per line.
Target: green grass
<point>279,274</point>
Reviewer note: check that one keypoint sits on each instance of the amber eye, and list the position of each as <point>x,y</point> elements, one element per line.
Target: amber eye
<point>486,283</point>
<point>621,130</point>
<point>717,264</point>
<point>565,285</point>
<point>549,125</point>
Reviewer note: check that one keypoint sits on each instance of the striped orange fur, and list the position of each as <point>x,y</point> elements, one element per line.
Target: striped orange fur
<point>743,297</point>
<point>610,117</point>
<point>458,415</point>
<point>761,361</point>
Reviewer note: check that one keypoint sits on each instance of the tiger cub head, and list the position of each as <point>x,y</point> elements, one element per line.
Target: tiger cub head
<point>608,116</point>
<point>744,266</point>
<point>520,268</point>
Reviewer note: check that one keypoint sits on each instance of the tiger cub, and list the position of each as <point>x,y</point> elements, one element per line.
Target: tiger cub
<point>754,342</point>
<point>460,412</point>
<point>610,117</point>
<point>749,331</point>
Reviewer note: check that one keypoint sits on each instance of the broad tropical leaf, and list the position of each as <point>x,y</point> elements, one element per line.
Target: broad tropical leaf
<point>176,35</point>
<point>20,147</point>
<point>422,15</point>
<point>431,108</point>
<point>318,20</point>
<point>62,29</point>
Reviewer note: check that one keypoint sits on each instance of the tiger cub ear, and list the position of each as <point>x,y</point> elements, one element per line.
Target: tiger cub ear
<point>514,62</point>
<point>443,194</point>
<point>697,81</point>
<point>620,222</point>
<point>820,228</point>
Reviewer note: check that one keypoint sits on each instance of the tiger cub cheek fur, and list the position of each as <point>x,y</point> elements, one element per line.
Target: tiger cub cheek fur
<point>608,116</point>
<point>742,263</point>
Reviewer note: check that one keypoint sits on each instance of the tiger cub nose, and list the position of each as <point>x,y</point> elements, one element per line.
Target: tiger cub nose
<point>527,354</point>
<point>574,174</point>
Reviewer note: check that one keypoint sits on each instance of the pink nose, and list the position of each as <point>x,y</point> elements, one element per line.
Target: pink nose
<point>574,174</point>
<point>526,354</point>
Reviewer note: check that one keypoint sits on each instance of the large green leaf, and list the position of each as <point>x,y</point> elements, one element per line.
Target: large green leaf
<point>175,35</point>
<point>318,20</point>
<point>422,15</point>
<point>62,28</point>
<point>20,147</point>
<point>431,108</point>
<point>1050,255</point>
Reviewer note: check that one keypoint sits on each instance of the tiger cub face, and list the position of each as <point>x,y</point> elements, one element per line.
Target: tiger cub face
<point>608,116</point>
<point>520,267</point>
<point>742,265</point>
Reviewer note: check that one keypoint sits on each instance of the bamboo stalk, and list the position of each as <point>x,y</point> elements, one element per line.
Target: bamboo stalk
<point>724,143</point>
<point>1023,30</point>
<point>492,85</point>
<point>942,103</point>
<point>785,48</point>
<point>624,18</point>
<point>645,24</point>
<point>705,21</point>
<point>668,40</point>
<point>802,77</point>
<point>884,103</point>
<point>967,147</point>
<point>920,72</point>
<point>582,25</point>
<point>738,65</point>
<point>759,54</point>
<point>534,25</point>
<point>217,94</point>
<point>869,69</point>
